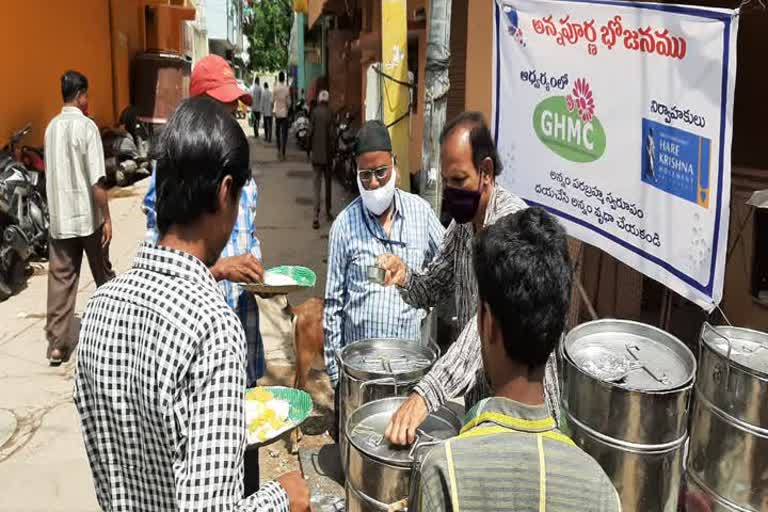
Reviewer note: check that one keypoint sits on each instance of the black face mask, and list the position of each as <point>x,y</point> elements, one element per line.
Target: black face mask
<point>462,204</point>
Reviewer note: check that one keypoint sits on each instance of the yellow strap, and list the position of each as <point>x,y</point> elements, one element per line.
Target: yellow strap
<point>542,475</point>
<point>516,423</point>
<point>497,429</point>
<point>452,477</point>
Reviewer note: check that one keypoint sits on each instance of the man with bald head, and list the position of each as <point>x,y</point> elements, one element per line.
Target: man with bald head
<point>469,165</point>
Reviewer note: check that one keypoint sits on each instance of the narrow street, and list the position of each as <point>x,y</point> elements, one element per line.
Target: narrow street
<point>43,465</point>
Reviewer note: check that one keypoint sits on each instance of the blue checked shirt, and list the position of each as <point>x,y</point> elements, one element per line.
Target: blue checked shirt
<point>242,241</point>
<point>355,308</point>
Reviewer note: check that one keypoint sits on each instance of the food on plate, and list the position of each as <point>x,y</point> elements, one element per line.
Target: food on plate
<point>265,415</point>
<point>279,280</point>
<point>259,394</point>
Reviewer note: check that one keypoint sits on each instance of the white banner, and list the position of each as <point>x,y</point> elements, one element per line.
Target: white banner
<point>616,117</point>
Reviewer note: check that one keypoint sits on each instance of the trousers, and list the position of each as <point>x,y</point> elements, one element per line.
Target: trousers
<point>322,171</point>
<point>65,257</point>
<point>268,128</point>
<point>282,134</point>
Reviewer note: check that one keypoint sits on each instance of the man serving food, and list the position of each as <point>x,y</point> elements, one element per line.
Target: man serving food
<point>382,220</point>
<point>469,165</point>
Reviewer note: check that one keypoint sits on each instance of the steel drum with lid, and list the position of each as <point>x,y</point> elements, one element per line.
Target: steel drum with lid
<point>378,368</point>
<point>728,455</point>
<point>381,475</point>
<point>626,387</point>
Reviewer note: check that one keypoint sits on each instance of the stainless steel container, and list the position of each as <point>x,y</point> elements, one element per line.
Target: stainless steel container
<point>378,368</point>
<point>379,475</point>
<point>626,388</point>
<point>728,455</point>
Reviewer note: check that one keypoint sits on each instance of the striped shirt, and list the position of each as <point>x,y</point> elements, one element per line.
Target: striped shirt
<point>242,241</point>
<point>449,273</point>
<point>160,389</point>
<point>74,159</point>
<point>511,458</point>
<point>355,308</point>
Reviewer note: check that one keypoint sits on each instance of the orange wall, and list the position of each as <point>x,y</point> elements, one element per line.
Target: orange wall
<point>42,39</point>
<point>479,56</point>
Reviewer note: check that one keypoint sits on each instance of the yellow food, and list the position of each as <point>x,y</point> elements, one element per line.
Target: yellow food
<point>258,394</point>
<point>265,415</point>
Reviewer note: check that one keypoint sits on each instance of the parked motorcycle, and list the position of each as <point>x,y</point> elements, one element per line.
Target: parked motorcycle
<point>126,149</point>
<point>24,217</point>
<point>344,163</point>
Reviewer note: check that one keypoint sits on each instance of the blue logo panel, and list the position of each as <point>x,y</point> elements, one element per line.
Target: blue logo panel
<point>676,162</point>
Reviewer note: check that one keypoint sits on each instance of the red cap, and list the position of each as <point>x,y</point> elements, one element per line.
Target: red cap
<point>214,76</point>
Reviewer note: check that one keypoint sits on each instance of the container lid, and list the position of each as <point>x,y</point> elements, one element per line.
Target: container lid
<point>377,358</point>
<point>630,355</point>
<point>367,425</point>
<point>748,348</point>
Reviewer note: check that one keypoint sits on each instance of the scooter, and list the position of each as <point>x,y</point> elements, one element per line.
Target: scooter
<point>126,150</point>
<point>24,219</point>
<point>301,129</point>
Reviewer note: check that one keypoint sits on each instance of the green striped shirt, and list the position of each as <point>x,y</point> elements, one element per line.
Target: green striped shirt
<point>510,457</point>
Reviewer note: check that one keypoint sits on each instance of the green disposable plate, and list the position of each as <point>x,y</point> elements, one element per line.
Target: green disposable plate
<point>302,275</point>
<point>300,407</point>
<point>300,402</point>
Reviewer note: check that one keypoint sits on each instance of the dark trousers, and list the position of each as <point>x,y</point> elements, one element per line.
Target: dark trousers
<point>256,119</point>
<point>282,134</point>
<point>322,171</point>
<point>65,258</point>
<point>251,471</point>
<point>268,128</point>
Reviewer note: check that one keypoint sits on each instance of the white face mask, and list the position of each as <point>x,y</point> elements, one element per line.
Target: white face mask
<point>377,201</point>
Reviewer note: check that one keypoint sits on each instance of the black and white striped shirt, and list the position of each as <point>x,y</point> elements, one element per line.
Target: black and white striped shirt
<point>451,272</point>
<point>160,389</point>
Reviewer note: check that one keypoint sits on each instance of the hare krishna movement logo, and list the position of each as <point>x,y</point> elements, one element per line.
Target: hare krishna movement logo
<point>568,126</point>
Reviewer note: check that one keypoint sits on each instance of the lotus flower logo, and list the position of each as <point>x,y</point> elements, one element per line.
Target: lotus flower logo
<point>582,100</point>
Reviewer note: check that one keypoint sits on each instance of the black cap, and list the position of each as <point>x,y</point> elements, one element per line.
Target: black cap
<point>373,136</point>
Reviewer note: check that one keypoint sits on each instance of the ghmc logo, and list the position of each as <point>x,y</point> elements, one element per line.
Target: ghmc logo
<point>568,126</point>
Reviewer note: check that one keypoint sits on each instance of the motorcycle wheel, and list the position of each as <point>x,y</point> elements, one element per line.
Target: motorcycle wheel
<point>12,280</point>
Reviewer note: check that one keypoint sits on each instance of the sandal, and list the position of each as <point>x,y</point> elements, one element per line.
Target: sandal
<point>57,357</point>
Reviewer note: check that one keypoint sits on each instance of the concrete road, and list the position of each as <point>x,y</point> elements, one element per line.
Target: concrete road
<point>43,466</point>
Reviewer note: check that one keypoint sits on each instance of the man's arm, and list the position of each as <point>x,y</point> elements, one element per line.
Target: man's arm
<point>212,478</point>
<point>335,297</point>
<point>455,371</point>
<point>451,374</point>
<point>96,175</point>
<point>435,284</point>
<point>101,198</point>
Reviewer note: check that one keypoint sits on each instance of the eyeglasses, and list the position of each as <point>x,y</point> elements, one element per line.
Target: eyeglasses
<point>366,175</point>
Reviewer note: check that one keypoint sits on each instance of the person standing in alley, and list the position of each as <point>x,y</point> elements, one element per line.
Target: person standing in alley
<point>282,102</point>
<point>266,111</point>
<point>256,107</point>
<point>321,136</point>
<point>79,212</point>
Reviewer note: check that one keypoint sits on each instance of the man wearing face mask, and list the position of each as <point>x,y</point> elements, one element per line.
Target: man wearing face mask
<point>469,166</point>
<point>382,220</point>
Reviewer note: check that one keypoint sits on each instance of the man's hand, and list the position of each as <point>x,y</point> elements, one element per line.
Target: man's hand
<point>296,488</point>
<point>106,232</point>
<point>239,269</point>
<point>402,427</point>
<point>395,268</point>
